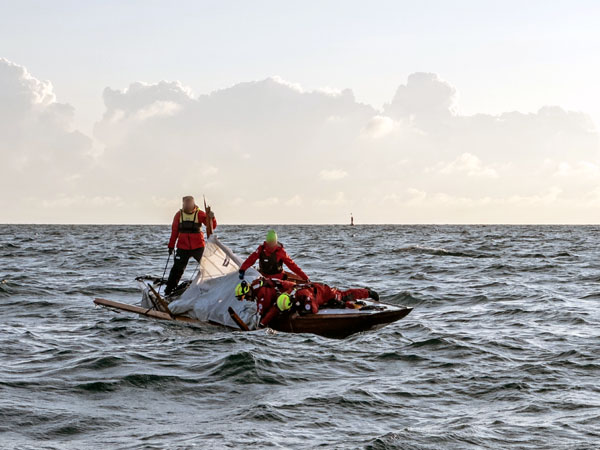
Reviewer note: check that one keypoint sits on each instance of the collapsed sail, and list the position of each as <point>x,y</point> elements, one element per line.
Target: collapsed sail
<point>212,292</point>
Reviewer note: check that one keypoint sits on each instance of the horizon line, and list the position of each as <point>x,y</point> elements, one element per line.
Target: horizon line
<point>322,224</point>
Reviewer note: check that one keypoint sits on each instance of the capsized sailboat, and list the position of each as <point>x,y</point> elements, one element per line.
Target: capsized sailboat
<point>210,299</point>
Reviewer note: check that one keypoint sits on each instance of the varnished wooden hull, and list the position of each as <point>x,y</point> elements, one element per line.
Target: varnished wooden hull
<point>337,325</point>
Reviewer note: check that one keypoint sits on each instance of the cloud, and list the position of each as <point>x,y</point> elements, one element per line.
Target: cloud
<point>332,174</point>
<point>379,126</point>
<point>467,164</point>
<point>21,91</point>
<point>425,97</point>
<point>270,151</point>
<point>157,109</point>
<point>41,152</point>
<point>141,96</point>
<point>579,169</point>
<point>435,207</point>
<point>263,136</point>
<point>295,86</point>
<point>442,199</point>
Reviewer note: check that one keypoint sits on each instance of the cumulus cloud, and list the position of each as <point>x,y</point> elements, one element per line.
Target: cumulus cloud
<point>379,126</point>
<point>41,152</point>
<point>158,108</point>
<point>423,99</point>
<point>265,137</point>
<point>295,86</point>
<point>142,97</point>
<point>270,151</point>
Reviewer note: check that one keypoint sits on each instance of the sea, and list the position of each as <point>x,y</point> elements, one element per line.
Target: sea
<point>501,350</point>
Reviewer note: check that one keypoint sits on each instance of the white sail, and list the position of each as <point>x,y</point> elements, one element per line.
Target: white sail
<point>213,290</point>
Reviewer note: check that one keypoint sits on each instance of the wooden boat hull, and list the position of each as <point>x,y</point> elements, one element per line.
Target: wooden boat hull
<point>329,323</point>
<point>338,325</point>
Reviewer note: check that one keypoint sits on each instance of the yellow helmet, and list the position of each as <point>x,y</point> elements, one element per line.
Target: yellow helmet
<point>284,302</point>
<point>241,290</point>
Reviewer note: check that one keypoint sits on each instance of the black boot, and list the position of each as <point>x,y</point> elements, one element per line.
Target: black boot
<point>374,295</point>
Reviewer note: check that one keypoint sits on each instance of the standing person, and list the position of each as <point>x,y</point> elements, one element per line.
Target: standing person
<point>271,257</point>
<point>187,233</point>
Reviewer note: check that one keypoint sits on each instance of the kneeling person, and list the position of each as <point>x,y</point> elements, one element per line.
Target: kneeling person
<point>271,257</point>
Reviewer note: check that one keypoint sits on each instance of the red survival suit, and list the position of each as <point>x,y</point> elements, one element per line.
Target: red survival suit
<point>193,238</point>
<point>265,292</point>
<point>317,294</point>
<point>271,261</point>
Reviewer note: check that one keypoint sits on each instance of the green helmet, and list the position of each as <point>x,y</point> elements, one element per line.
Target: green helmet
<point>271,236</point>
<point>241,290</point>
<point>284,302</point>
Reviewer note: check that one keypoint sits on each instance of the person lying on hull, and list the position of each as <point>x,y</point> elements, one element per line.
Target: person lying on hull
<point>310,297</point>
<point>186,231</point>
<point>274,297</point>
<point>271,257</point>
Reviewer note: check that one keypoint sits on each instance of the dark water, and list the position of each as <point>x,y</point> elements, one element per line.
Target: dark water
<point>501,350</point>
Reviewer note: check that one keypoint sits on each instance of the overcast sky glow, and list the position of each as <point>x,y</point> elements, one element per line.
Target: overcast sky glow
<point>401,112</point>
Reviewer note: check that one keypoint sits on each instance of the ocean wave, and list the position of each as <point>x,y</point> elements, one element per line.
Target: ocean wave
<point>504,316</point>
<point>246,368</point>
<point>435,251</point>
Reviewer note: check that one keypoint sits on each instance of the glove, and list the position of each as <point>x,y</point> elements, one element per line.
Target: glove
<point>170,251</point>
<point>242,272</point>
<point>374,295</point>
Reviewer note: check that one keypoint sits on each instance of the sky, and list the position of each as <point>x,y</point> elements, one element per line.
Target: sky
<point>300,112</point>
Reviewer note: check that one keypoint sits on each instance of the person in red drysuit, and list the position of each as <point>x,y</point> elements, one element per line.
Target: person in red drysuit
<point>186,232</point>
<point>271,257</point>
<point>265,292</point>
<point>314,295</point>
